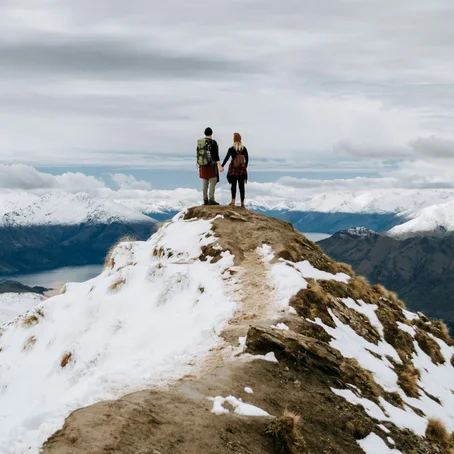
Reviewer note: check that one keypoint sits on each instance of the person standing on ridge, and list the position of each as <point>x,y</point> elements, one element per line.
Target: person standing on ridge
<point>237,173</point>
<point>209,166</point>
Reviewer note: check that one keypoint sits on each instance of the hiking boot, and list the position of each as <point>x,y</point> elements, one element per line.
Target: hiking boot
<point>212,202</point>
<point>206,202</point>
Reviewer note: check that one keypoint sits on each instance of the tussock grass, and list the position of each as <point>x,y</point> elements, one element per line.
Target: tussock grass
<point>109,261</point>
<point>286,433</point>
<point>30,320</point>
<point>356,429</point>
<point>362,379</point>
<point>345,268</point>
<point>117,285</point>
<point>65,359</point>
<point>29,343</point>
<point>429,347</point>
<point>408,378</point>
<point>313,302</point>
<point>436,431</point>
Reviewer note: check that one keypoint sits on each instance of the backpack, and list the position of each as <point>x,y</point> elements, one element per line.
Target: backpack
<point>239,162</point>
<point>204,152</point>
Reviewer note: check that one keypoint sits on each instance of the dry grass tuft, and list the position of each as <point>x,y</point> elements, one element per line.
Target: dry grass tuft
<point>356,429</point>
<point>39,312</point>
<point>436,432</point>
<point>117,284</point>
<point>380,290</point>
<point>408,379</point>
<point>29,343</point>
<point>109,262</point>
<point>429,347</point>
<point>452,360</point>
<point>440,330</point>
<point>362,379</point>
<point>313,302</point>
<point>286,433</point>
<point>30,320</point>
<point>66,358</point>
<point>345,268</point>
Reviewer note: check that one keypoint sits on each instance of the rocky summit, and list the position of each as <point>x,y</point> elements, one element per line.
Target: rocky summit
<point>226,332</point>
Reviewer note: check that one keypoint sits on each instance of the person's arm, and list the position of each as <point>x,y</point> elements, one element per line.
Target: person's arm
<point>227,157</point>
<point>215,156</point>
<point>246,156</point>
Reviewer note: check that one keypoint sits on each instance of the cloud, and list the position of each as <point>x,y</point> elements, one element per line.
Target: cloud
<point>129,182</point>
<point>90,83</point>
<point>20,177</point>
<point>107,58</point>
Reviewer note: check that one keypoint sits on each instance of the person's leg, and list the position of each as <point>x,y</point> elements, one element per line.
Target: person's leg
<point>213,182</point>
<point>233,189</point>
<point>205,191</point>
<point>241,181</point>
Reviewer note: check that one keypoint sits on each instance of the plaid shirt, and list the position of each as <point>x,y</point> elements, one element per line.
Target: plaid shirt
<point>238,172</point>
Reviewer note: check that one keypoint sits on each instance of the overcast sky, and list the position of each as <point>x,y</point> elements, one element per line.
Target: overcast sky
<point>326,90</point>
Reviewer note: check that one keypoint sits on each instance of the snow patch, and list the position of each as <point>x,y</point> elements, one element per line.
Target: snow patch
<point>248,390</point>
<point>280,326</point>
<point>408,329</point>
<point>373,444</point>
<point>239,406</point>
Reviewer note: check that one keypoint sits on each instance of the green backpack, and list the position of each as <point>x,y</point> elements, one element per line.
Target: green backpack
<point>204,152</point>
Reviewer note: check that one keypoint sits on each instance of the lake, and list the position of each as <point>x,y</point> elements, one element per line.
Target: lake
<point>56,278</point>
<point>316,236</point>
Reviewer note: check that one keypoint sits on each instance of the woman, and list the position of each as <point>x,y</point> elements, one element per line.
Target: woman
<point>237,173</point>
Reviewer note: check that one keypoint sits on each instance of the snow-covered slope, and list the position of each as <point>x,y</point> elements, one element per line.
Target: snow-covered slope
<point>59,208</point>
<point>398,201</point>
<point>433,219</point>
<point>14,304</point>
<point>141,322</point>
<point>156,313</point>
<point>129,205</point>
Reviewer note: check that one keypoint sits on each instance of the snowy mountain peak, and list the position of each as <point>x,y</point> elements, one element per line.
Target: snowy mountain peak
<point>218,301</point>
<point>67,209</point>
<point>360,231</point>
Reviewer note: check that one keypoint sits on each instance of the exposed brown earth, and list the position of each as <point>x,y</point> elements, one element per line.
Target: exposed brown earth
<point>179,419</point>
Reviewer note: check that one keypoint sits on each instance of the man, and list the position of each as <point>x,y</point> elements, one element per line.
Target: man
<point>209,166</point>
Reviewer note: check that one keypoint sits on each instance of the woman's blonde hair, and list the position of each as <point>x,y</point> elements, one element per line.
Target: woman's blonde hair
<point>237,144</point>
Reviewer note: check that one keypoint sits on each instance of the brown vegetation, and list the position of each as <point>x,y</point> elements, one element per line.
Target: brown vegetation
<point>362,379</point>
<point>313,303</point>
<point>356,429</point>
<point>408,378</point>
<point>30,320</point>
<point>66,358</point>
<point>429,347</point>
<point>117,284</point>
<point>286,433</point>
<point>29,343</point>
<point>436,431</point>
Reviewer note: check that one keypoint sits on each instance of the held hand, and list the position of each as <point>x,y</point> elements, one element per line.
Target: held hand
<point>221,169</point>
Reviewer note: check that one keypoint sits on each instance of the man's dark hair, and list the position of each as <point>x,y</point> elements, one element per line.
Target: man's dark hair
<point>208,132</point>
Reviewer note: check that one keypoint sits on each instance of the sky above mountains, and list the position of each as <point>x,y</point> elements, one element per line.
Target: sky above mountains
<point>332,94</point>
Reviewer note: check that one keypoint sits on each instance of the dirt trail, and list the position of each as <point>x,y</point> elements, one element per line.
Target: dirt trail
<point>258,298</point>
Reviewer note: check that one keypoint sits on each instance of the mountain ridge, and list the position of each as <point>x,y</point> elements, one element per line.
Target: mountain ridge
<point>232,317</point>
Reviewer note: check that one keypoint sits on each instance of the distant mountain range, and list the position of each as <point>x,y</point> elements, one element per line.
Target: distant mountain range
<point>420,269</point>
<point>61,229</point>
<point>54,230</point>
